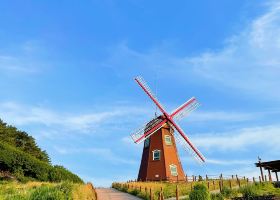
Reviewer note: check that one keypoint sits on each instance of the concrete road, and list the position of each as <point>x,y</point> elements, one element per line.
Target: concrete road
<point>112,194</point>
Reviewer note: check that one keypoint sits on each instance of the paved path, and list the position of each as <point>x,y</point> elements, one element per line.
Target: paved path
<point>112,194</point>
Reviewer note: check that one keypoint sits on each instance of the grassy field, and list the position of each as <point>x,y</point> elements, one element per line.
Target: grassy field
<point>169,189</point>
<point>45,190</point>
<point>230,188</point>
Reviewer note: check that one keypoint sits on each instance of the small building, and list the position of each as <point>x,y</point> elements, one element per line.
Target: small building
<point>271,167</point>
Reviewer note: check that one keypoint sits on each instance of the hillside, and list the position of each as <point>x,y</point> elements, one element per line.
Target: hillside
<point>21,158</point>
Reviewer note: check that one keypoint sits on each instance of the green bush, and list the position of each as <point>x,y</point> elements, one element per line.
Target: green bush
<point>134,192</point>
<point>226,192</point>
<point>249,191</point>
<point>217,196</point>
<point>22,141</point>
<point>47,193</point>
<point>22,165</point>
<point>199,192</point>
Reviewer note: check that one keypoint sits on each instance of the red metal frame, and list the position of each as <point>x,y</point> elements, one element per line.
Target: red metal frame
<point>151,96</point>
<point>168,118</point>
<point>182,107</point>
<point>155,128</point>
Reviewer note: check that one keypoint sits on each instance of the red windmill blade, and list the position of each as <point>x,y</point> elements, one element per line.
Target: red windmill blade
<point>148,129</point>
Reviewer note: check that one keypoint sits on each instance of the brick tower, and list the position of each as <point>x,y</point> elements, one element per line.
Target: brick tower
<point>160,159</point>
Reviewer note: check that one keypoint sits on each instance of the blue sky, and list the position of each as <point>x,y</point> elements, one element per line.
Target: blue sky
<point>67,69</point>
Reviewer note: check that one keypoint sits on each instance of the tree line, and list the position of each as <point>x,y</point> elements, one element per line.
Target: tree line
<point>21,156</point>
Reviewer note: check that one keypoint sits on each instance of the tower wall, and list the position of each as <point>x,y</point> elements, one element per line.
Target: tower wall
<point>156,170</point>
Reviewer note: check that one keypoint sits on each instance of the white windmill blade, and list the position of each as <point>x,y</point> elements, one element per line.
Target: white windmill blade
<point>186,147</point>
<point>185,109</point>
<point>144,85</point>
<point>147,130</point>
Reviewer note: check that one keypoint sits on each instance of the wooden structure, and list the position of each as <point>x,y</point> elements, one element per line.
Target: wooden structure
<point>160,160</point>
<point>270,166</point>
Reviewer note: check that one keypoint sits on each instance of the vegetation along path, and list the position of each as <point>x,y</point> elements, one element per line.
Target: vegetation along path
<point>112,194</point>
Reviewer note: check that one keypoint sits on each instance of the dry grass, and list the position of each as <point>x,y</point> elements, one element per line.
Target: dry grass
<point>85,192</point>
<point>25,191</point>
<point>142,189</point>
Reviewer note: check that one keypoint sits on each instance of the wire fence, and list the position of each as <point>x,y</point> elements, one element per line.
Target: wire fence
<point>160,190</point>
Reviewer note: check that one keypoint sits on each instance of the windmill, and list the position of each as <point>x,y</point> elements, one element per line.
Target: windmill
<point>160,160</point>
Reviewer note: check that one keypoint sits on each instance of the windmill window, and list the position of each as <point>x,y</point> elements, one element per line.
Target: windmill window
<point>173,170</point>
<point>147,143</point>
<point>168,140</point>
<point>156,155</point>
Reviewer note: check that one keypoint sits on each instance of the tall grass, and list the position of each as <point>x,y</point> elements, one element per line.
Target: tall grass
<point>247,190</point>
<point>169,189</point>
<point>45,191</point>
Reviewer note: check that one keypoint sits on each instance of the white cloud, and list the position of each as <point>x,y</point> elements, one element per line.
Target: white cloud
<point>22,59</point>
<point>241,139</point>
<point>19,114</point>
<point>228,162</point>
<point>204,116</point>
<point>102,153</point>
<point>249,63</point>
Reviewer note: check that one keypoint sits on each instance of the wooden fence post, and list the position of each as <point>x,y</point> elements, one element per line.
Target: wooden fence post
<point>230,184</point>
<point>238,181</point>
<point>208,185</point>
<point>254,181</point>
<point>220,186</point>
<point>151,194</point>
<point>177,193</point>
<point>221,180</point>
<point>260,180</point>
<point>247,181</point>
<point>231,176</point>
<point>265,178</point>
<point>160,194</point>
<point>186,178</point>
<point>193,178</point>
<point>214,185</point>
<point>206,177</point>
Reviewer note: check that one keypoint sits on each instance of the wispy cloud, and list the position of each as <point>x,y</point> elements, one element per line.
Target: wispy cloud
<point>22,59</point>
<point>240,139</point>
<point>249,62</point>
<point>20,114</point>
<point>228,162</point>
<point>205,116</point>
<point>14,64</point>
<point>102,153</point>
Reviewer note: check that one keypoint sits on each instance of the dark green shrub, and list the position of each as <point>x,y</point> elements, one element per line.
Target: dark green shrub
<point>22,141</point>
<point>22,165</point>
<point>134,192</point>
<point>249,192</point>
<point>47,193</point>
<point>226,192</point>
<point>199,192</point>
<point>144,196</point>
<point>66,189</point>
<point>217,196</point>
